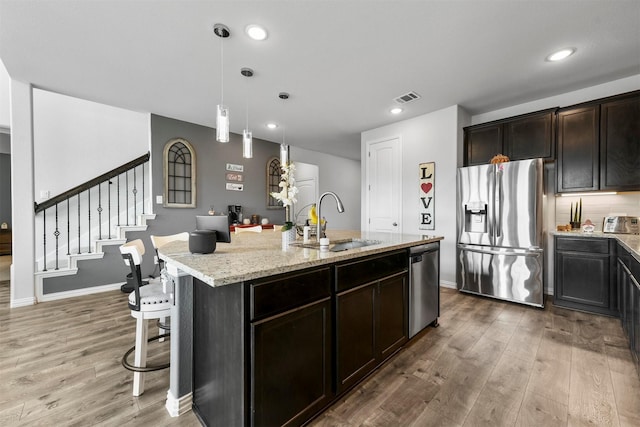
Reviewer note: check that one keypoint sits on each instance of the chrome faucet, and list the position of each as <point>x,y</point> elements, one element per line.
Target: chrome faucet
<point>320,234</point>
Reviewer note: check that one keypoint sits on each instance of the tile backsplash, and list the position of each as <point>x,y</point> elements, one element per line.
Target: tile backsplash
<point>596,208</point>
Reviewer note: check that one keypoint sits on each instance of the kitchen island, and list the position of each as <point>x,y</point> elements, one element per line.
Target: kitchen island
<point>266,336</point>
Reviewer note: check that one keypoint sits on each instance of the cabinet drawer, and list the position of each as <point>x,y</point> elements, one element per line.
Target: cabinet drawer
<point>598,246</point>
<point>350,275</point>
<point>285,292</point>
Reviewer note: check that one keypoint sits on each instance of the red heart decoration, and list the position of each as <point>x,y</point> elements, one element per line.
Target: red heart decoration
<point>426,187</point>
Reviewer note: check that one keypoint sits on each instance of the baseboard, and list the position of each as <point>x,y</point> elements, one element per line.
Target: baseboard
<point>22,302</point>
<point>447,284</point>
<point>177,407</point>
<point>80,292</point>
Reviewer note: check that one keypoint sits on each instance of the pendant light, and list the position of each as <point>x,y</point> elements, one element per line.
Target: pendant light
<point>247,138</point>
<point>222,112</point>
<point>284,148</point>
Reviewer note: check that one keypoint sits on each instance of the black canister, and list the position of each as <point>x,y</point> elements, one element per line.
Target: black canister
<point>202,241</point>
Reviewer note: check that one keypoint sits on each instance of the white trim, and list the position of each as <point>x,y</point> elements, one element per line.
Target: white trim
<point>22,302</point>
<point>447,284</point>
<point>176,407</point>
<point>79,292</point>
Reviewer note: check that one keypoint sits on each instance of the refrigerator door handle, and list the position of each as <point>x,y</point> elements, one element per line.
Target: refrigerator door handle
<point>498,203</point>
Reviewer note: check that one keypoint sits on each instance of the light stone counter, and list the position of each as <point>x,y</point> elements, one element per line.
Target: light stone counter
<point>254,255</point>
<point>629,241</point>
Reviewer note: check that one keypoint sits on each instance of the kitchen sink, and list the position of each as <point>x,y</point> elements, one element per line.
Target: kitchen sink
<point>340,244</point>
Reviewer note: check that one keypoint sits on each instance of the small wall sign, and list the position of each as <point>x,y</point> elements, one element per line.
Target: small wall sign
<point>427,196</point>
<point>235,187</point>
<point>235,168</point>
<point>237,177</point>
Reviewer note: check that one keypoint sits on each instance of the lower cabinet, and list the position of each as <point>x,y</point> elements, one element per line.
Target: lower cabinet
<point>585,274</point>
<point>628,272</point>
<point>291,365</point>
<point>276,351</point>
<point>371,317</point>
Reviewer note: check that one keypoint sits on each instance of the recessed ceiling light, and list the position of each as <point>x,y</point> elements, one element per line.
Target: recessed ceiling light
<point>256,32</point>
<point>561,54</point>
<point>272,125</point>
<point>396,110</point>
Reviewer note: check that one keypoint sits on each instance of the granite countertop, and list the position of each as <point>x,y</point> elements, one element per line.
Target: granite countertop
<point>254,255</point>
<point>630,241</point>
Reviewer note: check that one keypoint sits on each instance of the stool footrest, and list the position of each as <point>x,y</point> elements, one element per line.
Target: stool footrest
<point>133,368</point>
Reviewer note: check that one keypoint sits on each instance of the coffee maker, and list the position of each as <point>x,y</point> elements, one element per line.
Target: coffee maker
<point>235,214</point>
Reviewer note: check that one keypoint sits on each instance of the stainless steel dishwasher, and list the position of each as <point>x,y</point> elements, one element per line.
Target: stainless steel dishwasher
<point>424,287</point>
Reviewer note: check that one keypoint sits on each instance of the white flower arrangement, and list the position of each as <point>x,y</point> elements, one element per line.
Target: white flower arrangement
<point>287,194</point>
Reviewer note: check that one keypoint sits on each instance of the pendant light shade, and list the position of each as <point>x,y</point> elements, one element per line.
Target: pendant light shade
<point>284,148</point>
<point>247,136</point>
<point>247,144</point>
<point>222,112</point>
<point>222,123</point>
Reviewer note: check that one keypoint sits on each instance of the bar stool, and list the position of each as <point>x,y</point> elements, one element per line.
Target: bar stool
<point>254,229</point>
<point>146,302</point>
<point>159,241</point>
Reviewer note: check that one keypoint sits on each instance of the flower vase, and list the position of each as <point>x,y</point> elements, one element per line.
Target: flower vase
<point>288,237</point>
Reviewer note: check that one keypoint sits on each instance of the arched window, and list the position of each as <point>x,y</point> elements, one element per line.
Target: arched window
<point>273,180</point>
<point>179,160</point>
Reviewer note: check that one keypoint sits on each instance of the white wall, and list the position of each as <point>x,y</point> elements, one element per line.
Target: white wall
<point>5,98</point>
<point>614,87</point>
<point>340,175</point>
<point>434,137</point>
<point>77,140</point>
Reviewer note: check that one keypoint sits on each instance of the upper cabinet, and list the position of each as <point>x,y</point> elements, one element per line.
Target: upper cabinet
<point>620,143</point>
<point>599,145</point>
<point>523,137</point>
<point>578,156</point>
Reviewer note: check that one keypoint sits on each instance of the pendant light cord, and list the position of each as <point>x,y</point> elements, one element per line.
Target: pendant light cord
<point>221,71</point>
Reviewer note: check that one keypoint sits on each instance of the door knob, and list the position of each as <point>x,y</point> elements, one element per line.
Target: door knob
<point>395,224</point>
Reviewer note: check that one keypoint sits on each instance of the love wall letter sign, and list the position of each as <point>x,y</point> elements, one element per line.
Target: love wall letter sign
<point>427,196</point>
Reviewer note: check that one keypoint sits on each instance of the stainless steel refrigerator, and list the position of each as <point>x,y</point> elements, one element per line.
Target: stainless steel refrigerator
<point>500,250</point>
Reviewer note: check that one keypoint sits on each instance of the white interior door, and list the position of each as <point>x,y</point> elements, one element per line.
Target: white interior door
<point>384,189</point>
<point>307,178</point>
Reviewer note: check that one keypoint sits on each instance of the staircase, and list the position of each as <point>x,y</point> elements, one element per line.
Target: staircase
<point>81,223</point>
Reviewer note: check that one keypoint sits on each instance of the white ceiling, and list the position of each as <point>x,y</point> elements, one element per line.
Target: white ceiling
<point>343,62</point>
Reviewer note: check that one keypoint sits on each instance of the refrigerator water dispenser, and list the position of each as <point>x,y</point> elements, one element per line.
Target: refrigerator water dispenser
<point>475,218</point>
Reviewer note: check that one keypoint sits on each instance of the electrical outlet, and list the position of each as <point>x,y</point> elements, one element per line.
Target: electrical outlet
<point>158,200</point>
<point>45,194</point>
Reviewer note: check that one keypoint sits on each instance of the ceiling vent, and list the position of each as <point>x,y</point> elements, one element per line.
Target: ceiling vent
<point>407,97</point>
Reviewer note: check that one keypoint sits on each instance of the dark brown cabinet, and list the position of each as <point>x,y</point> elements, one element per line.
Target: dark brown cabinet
<point>578,149</point>
<point>291,347</point>
<point>522,137</point>
<point>278,350</point>
<point>585,274</point>
<point>628,271</point>
<point>620,144</point>
<point>291,365</point>
<point>5,242</point>
<point>599,145</point>
<point>371,315</point>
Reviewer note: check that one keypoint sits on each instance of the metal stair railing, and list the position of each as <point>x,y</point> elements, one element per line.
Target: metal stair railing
<point>61,208</point>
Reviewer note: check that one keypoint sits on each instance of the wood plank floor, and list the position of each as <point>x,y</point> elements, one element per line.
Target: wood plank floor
<point>489,363</point>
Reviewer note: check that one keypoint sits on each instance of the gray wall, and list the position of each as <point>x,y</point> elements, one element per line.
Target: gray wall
<point>211,160</point>
<point>5,178</point>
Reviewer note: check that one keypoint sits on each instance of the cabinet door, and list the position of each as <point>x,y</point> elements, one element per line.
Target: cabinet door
<point>620,144</point>
<point>482,143</point>
<point>578,149</point>
<point>530,137</point>
<point>355,334</point>
<point>582,281</point>
<point>392,329</point>
<point>291,365</point>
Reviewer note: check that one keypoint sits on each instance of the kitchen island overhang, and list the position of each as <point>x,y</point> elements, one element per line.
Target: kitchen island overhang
<point>228,273</point>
